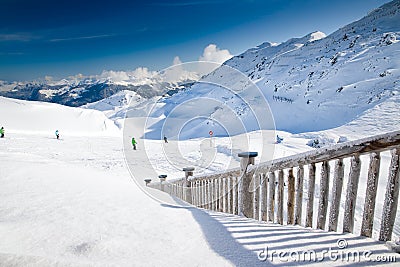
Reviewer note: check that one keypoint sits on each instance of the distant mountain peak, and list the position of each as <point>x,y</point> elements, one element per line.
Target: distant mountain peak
<point>317,35</point>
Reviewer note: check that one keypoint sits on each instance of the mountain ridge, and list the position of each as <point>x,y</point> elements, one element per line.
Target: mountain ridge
<point>309,84</point>
<point>78,91</point>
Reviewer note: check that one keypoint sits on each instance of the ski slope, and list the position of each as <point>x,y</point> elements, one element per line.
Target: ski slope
<point>44,118</point>
<point>73,202</point>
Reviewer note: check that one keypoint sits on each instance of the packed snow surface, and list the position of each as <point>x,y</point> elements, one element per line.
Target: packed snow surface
<point>72,202</point>
<point>39,117</point>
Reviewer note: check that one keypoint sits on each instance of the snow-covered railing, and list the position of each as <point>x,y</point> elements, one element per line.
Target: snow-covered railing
<point>250,190</point>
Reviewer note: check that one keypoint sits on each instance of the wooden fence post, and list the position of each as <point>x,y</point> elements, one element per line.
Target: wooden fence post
<point>229,186</point>
<point>246,194</point>
<point>208,196</point>
<point>199,199</point>
<point>299,195</point>
<point>271,197</point>
<point>280,197</point>
<point>162,178</point>
<point>193,188</point>
<point>205,193</point>
<point>224,196</point>
<point>256,196</point>
<point>221,195</point>
<point>263,197</point>
<point>234,196</point>
<point>351,196</point>
<point>201,195</point>
<point>147,181</point>
<point>370,194</point>
<point>198,193</point>
<point>212,192</point>
<point>290,199</point>
<point>217,200</point>
<point>391,197</point>
<point>323,195</point>
<point>310,195</point>
<point>336,195</point>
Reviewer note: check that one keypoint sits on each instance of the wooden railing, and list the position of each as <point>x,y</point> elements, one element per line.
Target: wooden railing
<point>250,191</point>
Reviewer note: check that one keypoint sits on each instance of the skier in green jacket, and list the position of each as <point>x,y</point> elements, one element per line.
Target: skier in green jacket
<point>134,143</point>
<point>2,132</point>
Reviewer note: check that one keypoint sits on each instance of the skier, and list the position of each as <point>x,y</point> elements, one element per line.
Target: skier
<point>278,139</point>
<point>165,139</point>
<point>134,143</point>
<point>57,134</point>
<point>2,132</point>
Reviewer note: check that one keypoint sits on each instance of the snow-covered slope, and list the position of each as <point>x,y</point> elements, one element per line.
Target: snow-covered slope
<point>311,83</point>
<point>319,84</point>
<point>72,203</point>
<point>114,102</point>
<point>382,118</point>
<point>39,117</point>
<point>245,62</point>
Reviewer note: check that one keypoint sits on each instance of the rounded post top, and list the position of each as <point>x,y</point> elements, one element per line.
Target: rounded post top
<point>188,169</point>
<point>248,154</point>
<point>162,176</point>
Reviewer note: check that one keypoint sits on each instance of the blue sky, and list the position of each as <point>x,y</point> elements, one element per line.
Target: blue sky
<point>61,38</point>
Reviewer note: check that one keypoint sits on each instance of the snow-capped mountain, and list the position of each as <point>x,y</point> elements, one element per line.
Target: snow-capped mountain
<point>311,83</point>
<point>79,90</point>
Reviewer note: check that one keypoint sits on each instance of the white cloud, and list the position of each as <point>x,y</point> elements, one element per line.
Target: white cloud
<point>214,54</point>
<point>179,71</point>
<point>211,59</point>
<point>81,38</point>
<point>48,78</point>
<point>176,61</point>
<point>78,77</point>
<point>116,76</point>
<point>21,37</point>
<point>142,73</point>
<point>137,76</point>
